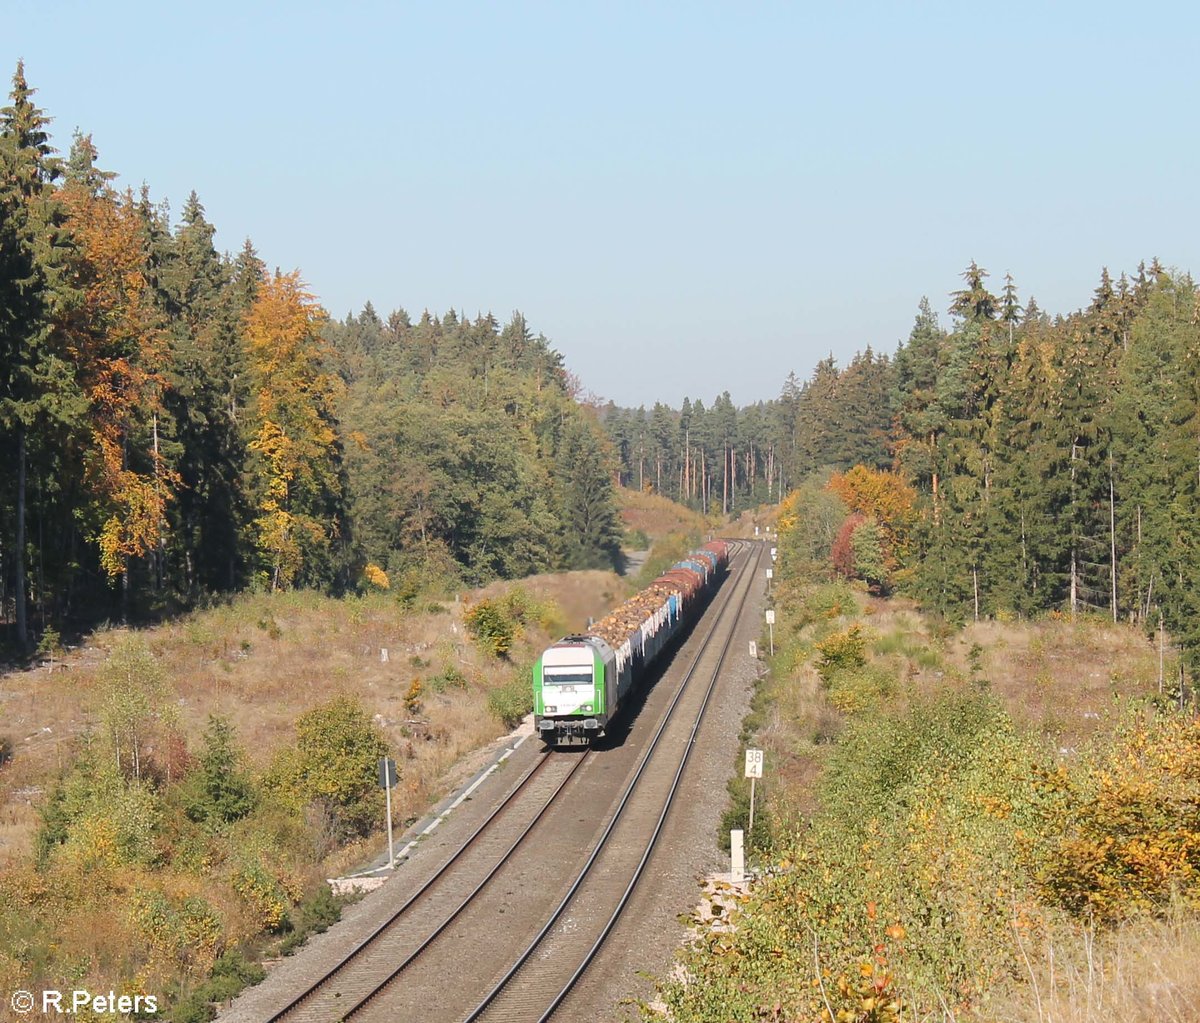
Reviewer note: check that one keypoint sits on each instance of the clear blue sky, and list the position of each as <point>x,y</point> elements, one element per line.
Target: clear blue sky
<point>686,197</point>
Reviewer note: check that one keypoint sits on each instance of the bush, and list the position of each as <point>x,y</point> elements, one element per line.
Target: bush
<point>511,701</point>
<point>908,877</point>
<point>412,699</point>
<point>335,762</point>
<point>859,689</point>
<point>448,678</point>
<point>219,792</point>
<point>315,915</point>
<point>841,652</point>
<point>230,974</point>
<point>496,624</point>
<point>1122,832</point>
<point>491,627</point>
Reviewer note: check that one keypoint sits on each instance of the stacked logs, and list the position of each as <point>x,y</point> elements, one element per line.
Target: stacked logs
<point>615,627</point>
<point>684,578</point>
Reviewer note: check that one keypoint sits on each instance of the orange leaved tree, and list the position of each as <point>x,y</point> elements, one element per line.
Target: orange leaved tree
<point>884,497</point>
<point>120,351</point>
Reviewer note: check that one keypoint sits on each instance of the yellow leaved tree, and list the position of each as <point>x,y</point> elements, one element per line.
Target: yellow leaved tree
<point>295,453</point>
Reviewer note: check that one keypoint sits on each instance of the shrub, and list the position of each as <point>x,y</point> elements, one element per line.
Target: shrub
<point>230,974</point>
<point>841,652</point>
<point>859,689</point>
<point>375,577</point>
<point>1122,831</point>
<point>496,624</point>
<point>491,627</point>
<point>334,761</point>
<point>316,914</point>
<point>448,678</point>
<point>412,699</point>
<point>219,792</point>
<point>511,701</point>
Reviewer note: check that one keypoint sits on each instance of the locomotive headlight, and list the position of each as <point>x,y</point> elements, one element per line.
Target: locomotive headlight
<point>586,708</point>
<point>551,710</point>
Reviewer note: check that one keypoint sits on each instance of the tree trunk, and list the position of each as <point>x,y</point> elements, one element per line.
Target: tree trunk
<point>724,479</point>
<point>19,552</point>
<point>1074,560</point>
<point>687,461</point>
<point>1112,535</point>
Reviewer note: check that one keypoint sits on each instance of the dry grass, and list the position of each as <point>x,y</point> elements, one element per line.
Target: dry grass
<point>1070,681</point>
<point>263,660</point>
<point>1066,679</point>
<point>1144,973</point>
<point>655,515</point>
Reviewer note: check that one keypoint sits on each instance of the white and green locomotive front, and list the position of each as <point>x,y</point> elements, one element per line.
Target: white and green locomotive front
<point>578,684</point>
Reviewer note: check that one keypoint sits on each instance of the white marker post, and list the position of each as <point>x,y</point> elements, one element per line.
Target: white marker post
<point>771,626</point>
<point>387,779</point>
<point>770,576</point>
<point>754,765</point>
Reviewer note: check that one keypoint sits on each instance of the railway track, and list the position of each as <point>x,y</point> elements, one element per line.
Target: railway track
<point>380,957</point>
<point>489,873</point>
<point>541,979</point>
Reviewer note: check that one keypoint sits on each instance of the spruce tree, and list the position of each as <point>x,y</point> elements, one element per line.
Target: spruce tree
<point>39,398</point>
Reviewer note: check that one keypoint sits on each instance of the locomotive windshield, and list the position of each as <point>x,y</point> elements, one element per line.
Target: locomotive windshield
<point>567,676</point>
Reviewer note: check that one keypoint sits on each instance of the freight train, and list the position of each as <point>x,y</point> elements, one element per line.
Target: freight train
<point>583,681</point>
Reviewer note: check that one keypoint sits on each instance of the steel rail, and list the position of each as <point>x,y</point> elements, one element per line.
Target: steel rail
<point>412,956</point>
<point>296,1005</point>
<point>637,874</point>
<point>504,981</point>
<point>350,957</point>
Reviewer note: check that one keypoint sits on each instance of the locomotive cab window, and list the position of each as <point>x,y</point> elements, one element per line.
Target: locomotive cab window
<point>567,678</point>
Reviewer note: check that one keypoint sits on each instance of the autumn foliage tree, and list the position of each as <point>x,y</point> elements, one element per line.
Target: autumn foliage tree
<point>295,461</point>
<point>872,541</point>
<point>120,353</point>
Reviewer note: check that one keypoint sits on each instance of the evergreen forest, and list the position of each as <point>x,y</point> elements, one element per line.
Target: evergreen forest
<point>179,423</point>
<point>1036,464</point>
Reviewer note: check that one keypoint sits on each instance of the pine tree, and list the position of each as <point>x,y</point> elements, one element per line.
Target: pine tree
<point>592,531</point>
<point>920,419</point>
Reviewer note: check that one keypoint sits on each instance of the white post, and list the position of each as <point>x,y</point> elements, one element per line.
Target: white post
<point>754,766</point>
<point>737,857</point>
<point>750,830</point>
<point>391,848</point>
<point>771,627</point>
